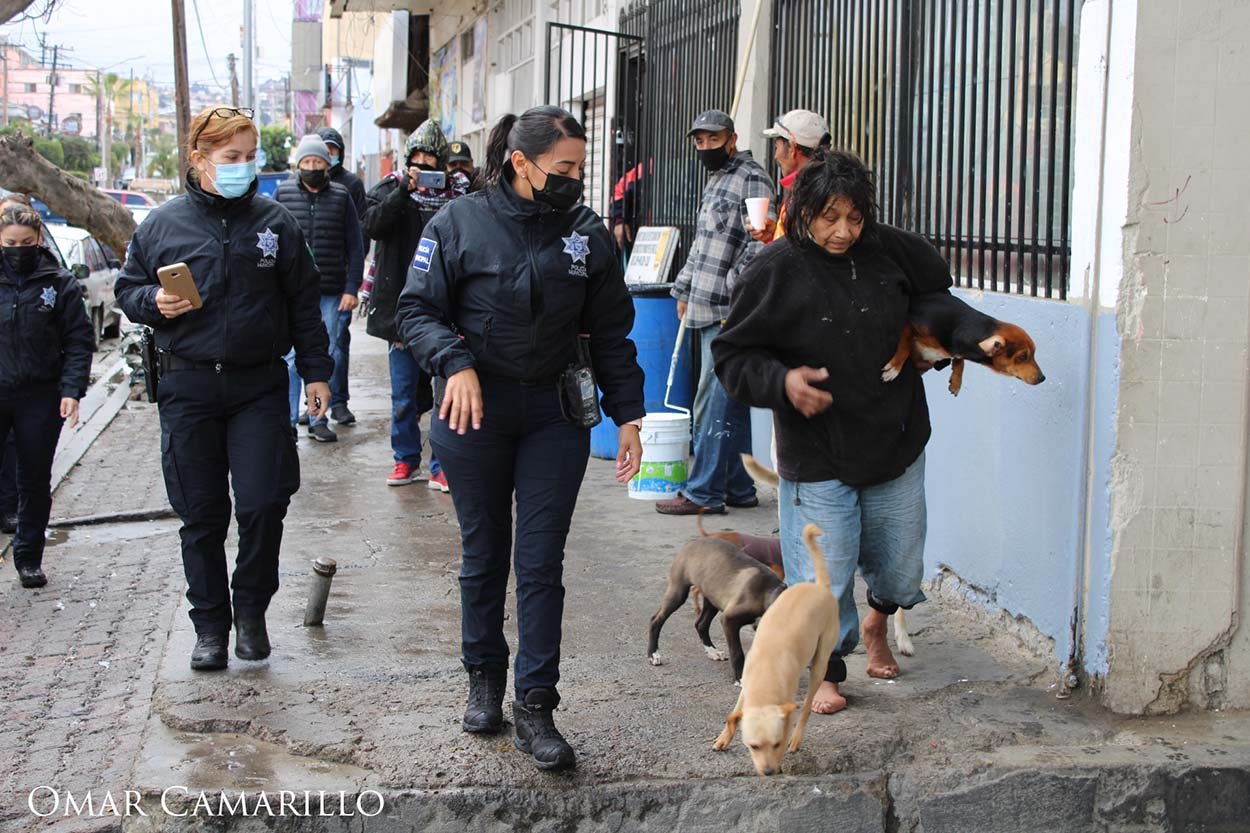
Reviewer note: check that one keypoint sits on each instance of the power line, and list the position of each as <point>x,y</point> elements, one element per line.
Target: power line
<point>195,6</point>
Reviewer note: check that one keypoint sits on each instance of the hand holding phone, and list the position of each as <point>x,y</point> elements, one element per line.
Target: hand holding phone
<point>176,281</point>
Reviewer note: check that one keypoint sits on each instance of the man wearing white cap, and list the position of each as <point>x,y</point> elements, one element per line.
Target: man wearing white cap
<point>796,136</point>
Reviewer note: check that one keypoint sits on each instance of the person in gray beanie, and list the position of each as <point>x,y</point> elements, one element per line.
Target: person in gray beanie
<point>327,215</point>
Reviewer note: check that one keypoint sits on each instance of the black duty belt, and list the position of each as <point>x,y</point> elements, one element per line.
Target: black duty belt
<point>169,362</point>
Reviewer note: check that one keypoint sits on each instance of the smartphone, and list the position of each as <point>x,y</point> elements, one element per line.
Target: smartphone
<point>435,180</point>
<point>176,279</point>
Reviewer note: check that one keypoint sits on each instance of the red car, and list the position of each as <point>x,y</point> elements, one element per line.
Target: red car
<point>130,199</point>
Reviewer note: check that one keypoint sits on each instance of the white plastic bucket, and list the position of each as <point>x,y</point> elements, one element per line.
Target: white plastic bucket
<point>665,443</point>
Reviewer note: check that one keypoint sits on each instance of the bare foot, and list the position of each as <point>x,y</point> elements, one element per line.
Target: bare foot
<point>828,699</point>
<point>881,662</point>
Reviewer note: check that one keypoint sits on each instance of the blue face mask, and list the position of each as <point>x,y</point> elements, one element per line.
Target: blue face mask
<point>334,161</point>
<point>232,181</point>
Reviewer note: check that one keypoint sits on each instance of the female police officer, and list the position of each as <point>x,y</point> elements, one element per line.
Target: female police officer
<point>519,269</point>
<point>46,343</point>
<point>222,391</point>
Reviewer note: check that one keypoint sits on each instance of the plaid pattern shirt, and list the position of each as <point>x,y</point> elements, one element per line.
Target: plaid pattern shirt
<point>722,248</point>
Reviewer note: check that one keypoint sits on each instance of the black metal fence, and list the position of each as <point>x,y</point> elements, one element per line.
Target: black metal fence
<point>595,75</point>
<point>686,66</point>
<point>963,108</point>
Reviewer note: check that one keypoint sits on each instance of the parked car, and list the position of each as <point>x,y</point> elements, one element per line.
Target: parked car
<point>49,216</point>
<point>130,199</point>
<point>96,267</point>
<point>140,213</point>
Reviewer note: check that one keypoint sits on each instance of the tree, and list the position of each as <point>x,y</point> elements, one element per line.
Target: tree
<point>51,150</point>
<point>164,156</point>
<point>80,155</point>
<point>80,203</point>
<point>10,9</point>
<point>121,155</point>
<point>107,88</point>
<point>276,141</point>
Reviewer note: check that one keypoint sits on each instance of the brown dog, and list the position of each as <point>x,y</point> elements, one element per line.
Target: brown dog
<point>940,328</point>
<point>767,551</point>
<point>902,638</point>
<point>799,630</point>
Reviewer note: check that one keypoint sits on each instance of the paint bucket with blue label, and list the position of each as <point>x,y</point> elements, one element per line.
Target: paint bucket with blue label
<point>665,453</point>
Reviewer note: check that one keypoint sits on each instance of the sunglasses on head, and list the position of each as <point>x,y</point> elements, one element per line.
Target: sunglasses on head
<point>223,113</point>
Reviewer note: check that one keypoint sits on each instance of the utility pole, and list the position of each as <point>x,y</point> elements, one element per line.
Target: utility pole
<point>52,91</point>
<point>286,100</point>
<point>4,57</point>
<point>249,53</point>
<point>182,95</point>
<point>234,80</point>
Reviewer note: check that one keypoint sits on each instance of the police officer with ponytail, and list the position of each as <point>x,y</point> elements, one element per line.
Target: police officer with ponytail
<point>223,383</point>
<point>502,283</point>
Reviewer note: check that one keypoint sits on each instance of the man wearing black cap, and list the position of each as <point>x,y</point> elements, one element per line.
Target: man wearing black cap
<point>720,251</point>
<point>339,393</point>
<point>460,158</point>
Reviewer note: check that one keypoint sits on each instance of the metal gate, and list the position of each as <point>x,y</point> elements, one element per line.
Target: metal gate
<point>964,110</point>
<point>593,73</point>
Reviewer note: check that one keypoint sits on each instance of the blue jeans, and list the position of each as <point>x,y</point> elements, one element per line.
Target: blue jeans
<point>722,434</point>
<point>333,320</point>
<point>880,529</point>
<point>406,377</point>
<point>339,393</point>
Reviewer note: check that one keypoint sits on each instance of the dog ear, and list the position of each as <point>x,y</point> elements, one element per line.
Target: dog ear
<point>993,345</point>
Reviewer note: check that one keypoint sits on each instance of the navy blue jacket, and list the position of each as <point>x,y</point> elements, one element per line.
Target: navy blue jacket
<point>251,265</point>
<point>45,336</point>
<point>519,280</point>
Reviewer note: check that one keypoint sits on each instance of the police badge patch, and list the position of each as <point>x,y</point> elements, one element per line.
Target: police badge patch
<point>577,247</point>
<point>48,298</point>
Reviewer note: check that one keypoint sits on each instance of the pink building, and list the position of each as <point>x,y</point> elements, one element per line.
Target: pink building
<point>26,86</point>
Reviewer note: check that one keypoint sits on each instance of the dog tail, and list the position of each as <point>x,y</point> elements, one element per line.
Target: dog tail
<point>758,472</point>
<point>699,521</point>
<point>810,533</point>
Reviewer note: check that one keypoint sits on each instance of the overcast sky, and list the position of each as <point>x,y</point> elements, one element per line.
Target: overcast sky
<point>122,34</point>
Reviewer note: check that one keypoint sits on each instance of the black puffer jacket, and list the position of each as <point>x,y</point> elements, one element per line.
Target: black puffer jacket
<point>395,221</point>
<point>519,280</point>
<point>45,336</point>
<point>251,265</point>
<point>328,218</point>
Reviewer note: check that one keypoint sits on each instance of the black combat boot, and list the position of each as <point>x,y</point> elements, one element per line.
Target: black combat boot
<point>536,732</point>
<point>484,713</point>
<point>251,640</point>
<point>32,577</point>
<point>211,652</point>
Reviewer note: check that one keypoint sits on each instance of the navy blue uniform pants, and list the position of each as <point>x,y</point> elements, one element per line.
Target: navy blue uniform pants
<point>219,430</point>
<point>8,475</point>
<point>526,449</point>
<point>34,418</point>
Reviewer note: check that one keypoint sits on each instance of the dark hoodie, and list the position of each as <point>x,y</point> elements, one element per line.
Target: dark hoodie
<point>45,337</point>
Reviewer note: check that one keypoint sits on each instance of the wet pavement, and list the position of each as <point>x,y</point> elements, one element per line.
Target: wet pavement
<point>970,737</point>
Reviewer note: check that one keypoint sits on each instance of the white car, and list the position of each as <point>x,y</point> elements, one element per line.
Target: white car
<point>96,268</point>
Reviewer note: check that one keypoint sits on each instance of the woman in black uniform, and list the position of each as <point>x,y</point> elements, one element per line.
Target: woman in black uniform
<point>223,384</point>
<point>502,282</point>
<point>46,344</point>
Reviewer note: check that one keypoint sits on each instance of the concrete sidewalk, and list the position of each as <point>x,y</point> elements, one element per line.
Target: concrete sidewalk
<point>971,737</point>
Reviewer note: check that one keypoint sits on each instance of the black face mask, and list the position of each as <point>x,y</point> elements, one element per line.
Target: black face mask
<point>559,192</point>
<point>21,259</point>
<point>714,158</point>
<point>315,178</point>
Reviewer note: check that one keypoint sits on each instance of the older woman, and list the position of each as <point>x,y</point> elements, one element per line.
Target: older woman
<point>813,320</point>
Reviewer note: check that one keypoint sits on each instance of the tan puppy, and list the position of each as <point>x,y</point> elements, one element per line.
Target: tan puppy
<point>902,637</point>
<point>798,630</point>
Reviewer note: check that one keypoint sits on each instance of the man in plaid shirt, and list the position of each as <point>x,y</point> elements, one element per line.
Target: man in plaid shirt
<point>721,250</point>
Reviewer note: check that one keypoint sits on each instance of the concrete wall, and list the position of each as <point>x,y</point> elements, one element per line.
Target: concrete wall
<point>1005,468</point>
<point>1179,471</point>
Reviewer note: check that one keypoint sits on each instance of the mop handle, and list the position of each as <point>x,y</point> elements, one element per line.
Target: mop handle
<point>672,368</point>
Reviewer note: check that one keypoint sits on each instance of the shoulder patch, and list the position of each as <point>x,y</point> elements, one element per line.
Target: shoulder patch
<point>424,254</point>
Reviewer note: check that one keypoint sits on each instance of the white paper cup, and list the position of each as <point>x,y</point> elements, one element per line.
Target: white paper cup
<point>757,211</point>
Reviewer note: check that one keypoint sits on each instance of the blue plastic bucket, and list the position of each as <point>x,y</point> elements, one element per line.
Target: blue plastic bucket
<point>654,333</point>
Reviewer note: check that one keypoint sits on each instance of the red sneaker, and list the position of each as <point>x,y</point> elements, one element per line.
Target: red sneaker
<point>438,482</point>
<point>402,475</point>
